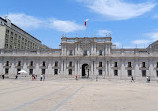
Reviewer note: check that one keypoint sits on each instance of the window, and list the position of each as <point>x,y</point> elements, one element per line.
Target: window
<point>143,73</point>
<point>19,63</point>
<point>157,65</point>
<point>115,64</point>
<point>6,71</point>
<point>7,63</point>
<point>11,33</point>
<point>56,63</point>
<point>129,72</point>
<point>100,72</point>
<point>55,71</point>
<point>6,45</point>
<point>115,72</point>
<point>100,64</point>
<point>70,52</point>
<point>100,52</point>
<point>85,53</point>
<point>31,63</point>
<point>43,71</point>
<point>156,73</point>
<point>10,46</point>
<point>70,71</point>
<point>70,64</point>
<point>143,64</point>
<point>31,71</point>
<point>7,30</point>
<point>44,63</point>
<point>129,64</point>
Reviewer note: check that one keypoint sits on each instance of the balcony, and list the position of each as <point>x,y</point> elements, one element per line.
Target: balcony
<point>43,67</point>
<point>129,68</point>
<point>56,67</point>
<point>115,68</point>
<point>70,67</point>
<point>7,67</point>
<point>31,67</point>
<point>19,67</point>
<point>144,68</point>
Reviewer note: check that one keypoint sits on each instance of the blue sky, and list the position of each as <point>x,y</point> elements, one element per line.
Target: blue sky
<point>131,22</point>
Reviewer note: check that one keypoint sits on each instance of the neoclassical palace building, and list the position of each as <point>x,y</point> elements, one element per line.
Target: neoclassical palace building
<point>86,57</point>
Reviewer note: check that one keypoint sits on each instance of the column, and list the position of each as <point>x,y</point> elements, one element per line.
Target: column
<point>95,68</point>
<point>91,74</point>
<point>37,67</point>
<point>75,64</point>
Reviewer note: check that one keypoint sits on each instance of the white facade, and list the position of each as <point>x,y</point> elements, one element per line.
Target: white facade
<point>86,57</point>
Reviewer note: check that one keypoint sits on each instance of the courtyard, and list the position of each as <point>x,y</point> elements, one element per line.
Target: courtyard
<point>81,95</point>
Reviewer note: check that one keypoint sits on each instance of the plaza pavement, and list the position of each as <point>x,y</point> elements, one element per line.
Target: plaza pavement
<point>80,95</point>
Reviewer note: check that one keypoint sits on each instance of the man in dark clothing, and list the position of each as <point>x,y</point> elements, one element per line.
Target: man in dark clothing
<point>3,76</point>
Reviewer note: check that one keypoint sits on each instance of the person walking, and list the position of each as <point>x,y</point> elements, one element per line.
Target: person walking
<point>76,76</point>
<point>44,77</point>
<point>16,77</point>
<point>96,77</point>
<point>3,76</point>
<point>32,77</point>
<point>132,79</point>
<point>147,79</point>
<point>41,77</point>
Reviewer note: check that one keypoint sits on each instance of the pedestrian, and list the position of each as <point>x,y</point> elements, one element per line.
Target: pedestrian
<point>16,77</point>
<point>32,77</point>
<point>41,77</point>
<point>96,77</point>
<point>76,76</point>
<point>132,79</point>
<point>3,76</point>
<point>147,79</point>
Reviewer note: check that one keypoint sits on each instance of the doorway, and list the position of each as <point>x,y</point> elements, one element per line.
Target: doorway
<point>85,71</point>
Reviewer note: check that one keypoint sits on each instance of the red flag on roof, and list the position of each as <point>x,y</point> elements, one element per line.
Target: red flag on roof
<point>86,22</point>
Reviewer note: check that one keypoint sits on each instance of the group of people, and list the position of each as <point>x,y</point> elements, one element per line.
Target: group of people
<point>34,77</point>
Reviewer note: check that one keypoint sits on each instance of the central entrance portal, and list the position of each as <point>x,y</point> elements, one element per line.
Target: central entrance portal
<point>85,71</point>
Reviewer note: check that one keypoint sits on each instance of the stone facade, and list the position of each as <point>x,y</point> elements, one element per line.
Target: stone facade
<point>86,57</point>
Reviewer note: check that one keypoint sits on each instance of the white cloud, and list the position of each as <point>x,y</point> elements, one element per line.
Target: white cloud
<point>139,42</point>
<point>66,26</point>
<point>118,9</point>
<point>153,36</point>
<point>31,22</point>
<point>118,44</point>
<point>25,21</point>
<point>103,32</point>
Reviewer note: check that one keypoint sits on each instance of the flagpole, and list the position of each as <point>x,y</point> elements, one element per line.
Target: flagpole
<point>86,27</point>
